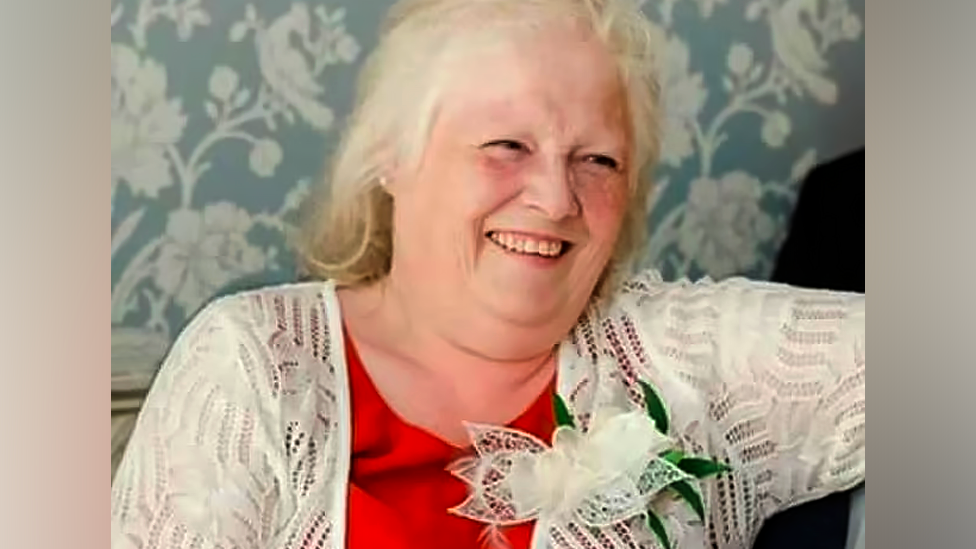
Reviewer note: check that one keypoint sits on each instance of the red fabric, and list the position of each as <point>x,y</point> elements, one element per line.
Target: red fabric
<point>399,490</point>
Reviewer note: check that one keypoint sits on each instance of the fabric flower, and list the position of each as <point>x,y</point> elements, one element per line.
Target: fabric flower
<point>595,478</point>
<point>579,464</point>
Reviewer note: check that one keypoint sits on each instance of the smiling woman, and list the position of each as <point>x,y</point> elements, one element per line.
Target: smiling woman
<point>471,303</point>
<point>512,150</point>
<point>423,61</point>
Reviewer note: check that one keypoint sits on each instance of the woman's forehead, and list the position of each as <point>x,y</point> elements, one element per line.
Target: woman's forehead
<point>547,75</point>
<point>554,53</point>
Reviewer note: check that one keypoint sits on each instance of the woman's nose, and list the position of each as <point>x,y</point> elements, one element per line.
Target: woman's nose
<point>550,190</point>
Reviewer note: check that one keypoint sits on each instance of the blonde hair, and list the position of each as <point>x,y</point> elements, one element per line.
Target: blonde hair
<point>347,236</point>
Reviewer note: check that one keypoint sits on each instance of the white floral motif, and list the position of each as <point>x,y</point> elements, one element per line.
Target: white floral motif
<point>185,16</point>
<point>289,72</point>
<point>204,251</point>
<point>223,82</point>
<point>800,47</point>
<point>740,58</point>
<point>796,49</point>
<point>707,7</point>
<point>851,26</point>
<point>682,100</point>
<point>145,122</point>
<point>265,157</point>
<point>802,32</point>
<point>775,129</point>
<point>724,222</point>
<point>665,8</point>
<point>802,166</point>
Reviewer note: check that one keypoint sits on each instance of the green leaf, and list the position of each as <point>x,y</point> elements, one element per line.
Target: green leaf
<point>563,417</point>
<point>657,526</point>
<point>701,468</point>
<point>691,495</point>
<point>655,407</point>
<point>673,456</point>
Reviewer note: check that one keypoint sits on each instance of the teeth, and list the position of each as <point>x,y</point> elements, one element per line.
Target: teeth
<point>519,244</point>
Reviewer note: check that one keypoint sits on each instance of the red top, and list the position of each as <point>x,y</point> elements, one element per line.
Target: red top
<point>399,488</point>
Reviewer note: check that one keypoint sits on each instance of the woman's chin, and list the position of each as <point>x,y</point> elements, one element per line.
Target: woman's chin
<point>530,300</point>
<point>530,309</point>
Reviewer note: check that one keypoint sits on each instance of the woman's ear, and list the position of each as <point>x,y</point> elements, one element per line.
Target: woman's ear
<point>392,180</point>
<point>386,166</point>
<point>389,185</point>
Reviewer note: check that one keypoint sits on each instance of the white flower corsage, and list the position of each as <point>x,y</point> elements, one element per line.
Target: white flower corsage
<point>598,478</point>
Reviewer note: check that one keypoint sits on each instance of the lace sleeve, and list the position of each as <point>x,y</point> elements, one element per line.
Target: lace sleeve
<point>197,471</point>
<point>792,407</point>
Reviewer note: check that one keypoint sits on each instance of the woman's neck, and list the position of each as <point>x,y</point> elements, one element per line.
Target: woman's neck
<point>408,357</point>
<point>489,348</point>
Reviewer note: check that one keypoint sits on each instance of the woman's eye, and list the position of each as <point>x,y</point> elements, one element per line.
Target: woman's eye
<point>507,144</point>
<point>603,160</point>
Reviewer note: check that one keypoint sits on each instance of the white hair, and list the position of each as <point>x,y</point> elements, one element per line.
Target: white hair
<point>347,236</point>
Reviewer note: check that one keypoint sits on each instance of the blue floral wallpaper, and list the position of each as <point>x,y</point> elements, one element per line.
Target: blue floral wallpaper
<point>224,113</point>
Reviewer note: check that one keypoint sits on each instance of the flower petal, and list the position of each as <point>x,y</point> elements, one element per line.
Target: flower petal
<point>566,439</point>
<point>489,439</point>
<point>643,443</point>
<point>659,474</point>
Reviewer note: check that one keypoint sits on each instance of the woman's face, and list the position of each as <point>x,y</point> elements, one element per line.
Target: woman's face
<point>514,209</point>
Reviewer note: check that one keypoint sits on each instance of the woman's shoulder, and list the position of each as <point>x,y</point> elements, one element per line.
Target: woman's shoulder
<point>262,349</point>
<point>286,323</point>
<point>649,304</point>
<point>649,287</point>
<point>277,307</point>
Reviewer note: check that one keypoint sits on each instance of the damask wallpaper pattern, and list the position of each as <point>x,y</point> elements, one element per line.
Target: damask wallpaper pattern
<point>223,114</point>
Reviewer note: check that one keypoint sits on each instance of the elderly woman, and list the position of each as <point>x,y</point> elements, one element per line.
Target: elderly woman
<point>474,368</point>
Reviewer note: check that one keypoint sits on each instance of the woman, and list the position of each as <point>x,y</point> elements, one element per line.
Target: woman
<point>489,189</point>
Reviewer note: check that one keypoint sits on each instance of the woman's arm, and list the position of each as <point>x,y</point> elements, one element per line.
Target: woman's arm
<point>199,470</point>
<point>795,360</point>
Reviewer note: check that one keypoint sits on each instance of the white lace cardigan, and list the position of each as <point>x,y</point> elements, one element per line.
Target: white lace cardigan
<point>244,439</point>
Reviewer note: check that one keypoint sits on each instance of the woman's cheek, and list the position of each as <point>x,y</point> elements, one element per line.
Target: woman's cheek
<point>605,202</point>
<point>497,177</point>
